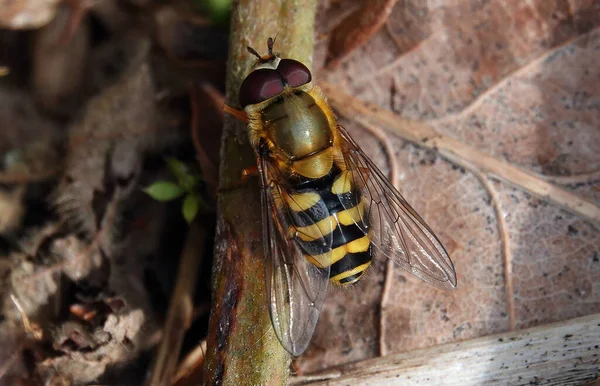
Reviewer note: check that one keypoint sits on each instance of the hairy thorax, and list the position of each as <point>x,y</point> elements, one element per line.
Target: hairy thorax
<point>301,134</point>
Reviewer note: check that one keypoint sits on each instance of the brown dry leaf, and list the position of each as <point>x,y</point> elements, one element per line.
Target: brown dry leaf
<point>347,37</point>
<point>28,149</point>
<point>107,143</point>
<point>26,14</point>
<point>517,80</point>
<point>58,68</point>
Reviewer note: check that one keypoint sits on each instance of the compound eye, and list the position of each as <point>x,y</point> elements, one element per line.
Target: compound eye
<point>259,86</point>
<point>293,72</point>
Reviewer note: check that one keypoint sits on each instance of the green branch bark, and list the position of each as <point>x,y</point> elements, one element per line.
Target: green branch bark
<point>242,347</point>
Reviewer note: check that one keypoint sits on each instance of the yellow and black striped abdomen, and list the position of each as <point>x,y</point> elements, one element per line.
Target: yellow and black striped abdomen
<point>328,221</point>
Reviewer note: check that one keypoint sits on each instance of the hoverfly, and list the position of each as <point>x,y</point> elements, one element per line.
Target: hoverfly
<point>327,210</point>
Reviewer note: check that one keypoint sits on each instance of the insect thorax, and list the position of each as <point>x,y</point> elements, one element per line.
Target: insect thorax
<point>297,126</point>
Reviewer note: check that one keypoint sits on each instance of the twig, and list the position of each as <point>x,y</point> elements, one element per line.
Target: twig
<point>304,379</point>
<point>506,251</point>
<point>32,329</point>
<point>22,178</point>
<point>564,353</point>
<point>78,9</point>
<point>190,365</point>
<point>179,316</point>
<point>582,178</point>
<point>242,347</point>
<point>424,135</point>
<point>209,172</point>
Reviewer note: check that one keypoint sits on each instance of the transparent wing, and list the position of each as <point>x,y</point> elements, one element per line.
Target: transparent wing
<point>396,230</point>
<point>295,288</point>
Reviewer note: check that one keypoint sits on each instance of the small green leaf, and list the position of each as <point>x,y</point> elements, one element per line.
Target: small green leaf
<point>217,10</point>
<point>190,207</point>
<point>190,183</point>
<point>182,173</point>
<point>164,191</point>
<point>178,168</point>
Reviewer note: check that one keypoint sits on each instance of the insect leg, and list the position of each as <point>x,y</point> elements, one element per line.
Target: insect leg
<point>252,171</point>
<point>239,114</point>
<point>246,173</point>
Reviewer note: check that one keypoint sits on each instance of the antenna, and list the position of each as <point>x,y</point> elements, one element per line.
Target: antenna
<point>266,58</point>
<point>270,43</point>
<point>253,52</point>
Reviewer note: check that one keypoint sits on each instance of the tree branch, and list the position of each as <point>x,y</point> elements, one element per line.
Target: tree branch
<point>242,347</point>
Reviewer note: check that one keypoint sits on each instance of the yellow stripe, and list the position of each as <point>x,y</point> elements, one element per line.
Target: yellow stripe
<point>361,268</point>
<point>315,166</point>
<point>311,259</point>
<point>352,215</point>
<point>316,231</point>
<point>328,258</point>
<point>301,201</point>
<point>342,184</point>
<point>359,245</point>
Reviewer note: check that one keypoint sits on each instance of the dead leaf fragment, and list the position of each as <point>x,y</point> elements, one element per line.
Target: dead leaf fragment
<point>189,38</point>
<point>11,209</point>
<point>58,68</point>
<point>105,146</point>
<point>26,14</point>
<point>357,28</point>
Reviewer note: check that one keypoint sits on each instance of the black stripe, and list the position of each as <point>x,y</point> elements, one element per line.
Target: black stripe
<point>314,214</point>
<point>322,209</point>
<point>302,183</point>
<point>349,262</point>
<point>329,204</point>
<point>343,234</point>
<point>351,278</point>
